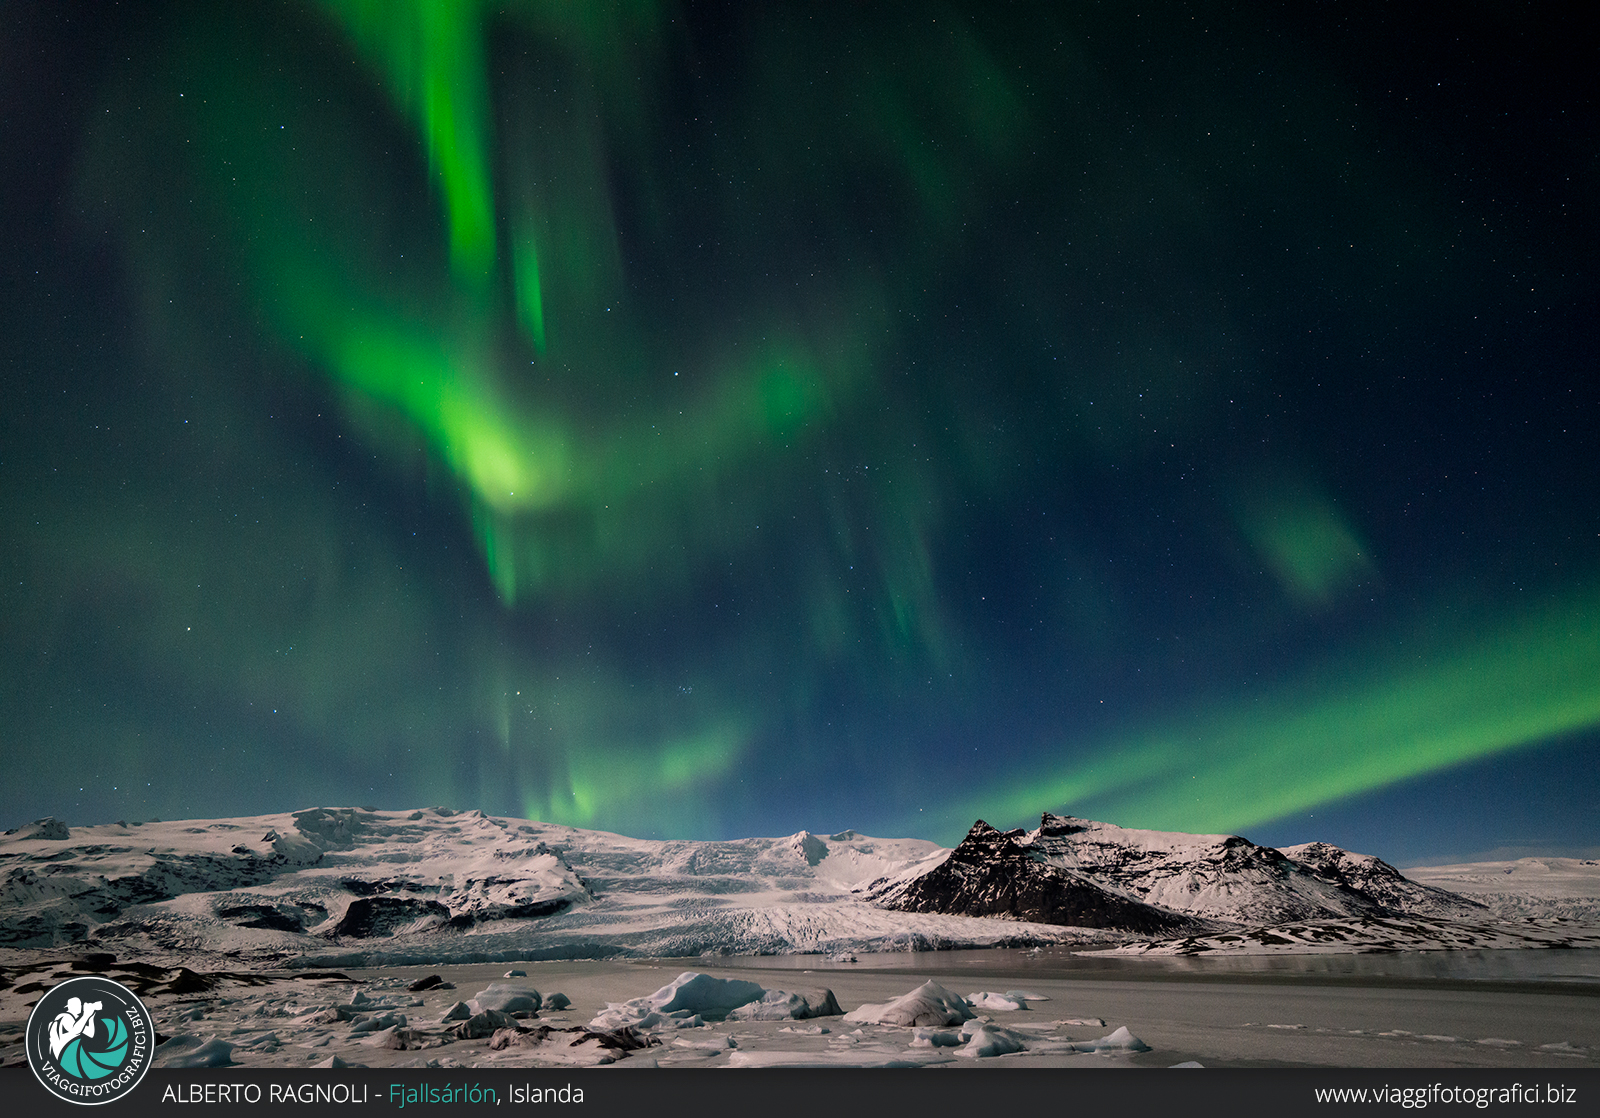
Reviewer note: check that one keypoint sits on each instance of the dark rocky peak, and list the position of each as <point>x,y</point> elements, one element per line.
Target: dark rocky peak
<point>1059,826</point>
<point>331,827</point>
<point>1097,869</point>
<point>1237,853</point>
<point>991,873</point>
<point>985,843</point>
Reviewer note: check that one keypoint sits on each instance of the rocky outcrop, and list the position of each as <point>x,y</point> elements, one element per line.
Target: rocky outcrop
<point>992,874</point>
<point>386,916</point>
<point>1088,874</point>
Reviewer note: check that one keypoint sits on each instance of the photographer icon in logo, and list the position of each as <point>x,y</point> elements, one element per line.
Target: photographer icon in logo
<point>90,1040</point>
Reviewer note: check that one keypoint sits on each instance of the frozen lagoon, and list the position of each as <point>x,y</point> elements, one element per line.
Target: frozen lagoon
<point>1498,1009</point>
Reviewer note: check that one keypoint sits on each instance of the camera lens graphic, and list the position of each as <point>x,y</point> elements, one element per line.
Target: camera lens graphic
<point>90,1040</point>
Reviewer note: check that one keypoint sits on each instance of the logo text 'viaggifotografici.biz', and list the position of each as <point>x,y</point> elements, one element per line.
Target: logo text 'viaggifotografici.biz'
<point>90,1040</point>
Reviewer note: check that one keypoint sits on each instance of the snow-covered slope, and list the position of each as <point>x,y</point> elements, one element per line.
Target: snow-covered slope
<point>1528,888</point>
<point>343,886</point>
<point>270,881</point>
<point>1111,876</point>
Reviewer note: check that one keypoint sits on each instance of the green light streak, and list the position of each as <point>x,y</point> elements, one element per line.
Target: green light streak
<point>510,462</point>
<point>1521,682</point>
<point>628,479</point>
<point>624,784</point>
<point>430,54</point>
<point>563,486</point>
<point>530,294</point>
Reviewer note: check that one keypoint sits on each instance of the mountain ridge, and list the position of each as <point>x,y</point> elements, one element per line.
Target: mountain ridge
<point>1070,870</point>
<point>358,886</point>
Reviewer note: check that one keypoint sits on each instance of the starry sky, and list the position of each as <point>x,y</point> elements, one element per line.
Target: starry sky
<point>703,420</point>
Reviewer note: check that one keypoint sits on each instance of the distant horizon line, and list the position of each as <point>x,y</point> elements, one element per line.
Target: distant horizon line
<point>1503,853</point>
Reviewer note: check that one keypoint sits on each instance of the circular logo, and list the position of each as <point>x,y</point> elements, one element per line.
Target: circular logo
<point>90,1040</point>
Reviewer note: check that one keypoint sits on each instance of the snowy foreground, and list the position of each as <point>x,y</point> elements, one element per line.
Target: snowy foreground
<point>948,1010</point>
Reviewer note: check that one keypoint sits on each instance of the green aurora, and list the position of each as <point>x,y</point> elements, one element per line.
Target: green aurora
<point>695,423</point>
<point>1496,687</point>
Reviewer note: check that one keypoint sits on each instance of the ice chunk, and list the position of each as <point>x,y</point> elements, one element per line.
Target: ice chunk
<point>690,995</point>
<point>988,999</point>
<point>928,1004</point>
<point>1120,1041</point>
<point>784,1005</point>
<point>702,994</point>
<point>480,1025</point>
<point>509,998</point>
<point>378,1023</point>
<point>989,1040</point>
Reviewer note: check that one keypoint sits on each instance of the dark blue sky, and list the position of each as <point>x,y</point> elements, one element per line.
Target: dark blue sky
<point>703,420</point>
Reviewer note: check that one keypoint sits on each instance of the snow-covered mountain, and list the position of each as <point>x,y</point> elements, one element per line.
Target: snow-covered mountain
<point>1075,871</point>
<point>346,886</point>
<point>998,873</point>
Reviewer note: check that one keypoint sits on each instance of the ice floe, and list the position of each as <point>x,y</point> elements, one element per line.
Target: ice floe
<point>928,1004</point>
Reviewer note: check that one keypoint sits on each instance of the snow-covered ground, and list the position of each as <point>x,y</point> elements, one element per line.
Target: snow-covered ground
<point>1528,888</point>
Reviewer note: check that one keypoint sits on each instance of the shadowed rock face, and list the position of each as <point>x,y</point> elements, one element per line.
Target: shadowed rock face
<point>990,874</point>
<point>381,916</point>
<point>261,916</point>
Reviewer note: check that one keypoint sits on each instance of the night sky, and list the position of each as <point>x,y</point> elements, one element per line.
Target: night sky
<point>705,420</point>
